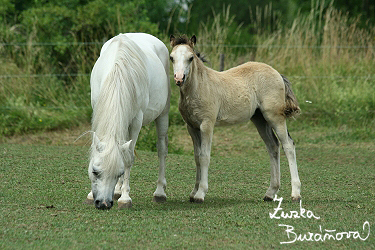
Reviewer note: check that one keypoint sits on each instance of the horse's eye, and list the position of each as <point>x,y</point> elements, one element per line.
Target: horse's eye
<point>96,173</point>
<point>191,58</point>
<point>171,58</point>
<point>121,174</point>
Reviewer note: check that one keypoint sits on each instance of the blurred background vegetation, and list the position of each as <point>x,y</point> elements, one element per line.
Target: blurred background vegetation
<point>326,49</point>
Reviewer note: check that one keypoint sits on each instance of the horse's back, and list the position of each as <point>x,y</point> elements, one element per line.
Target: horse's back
<point>158,70</point>
<point>157,65</point>
<point>150,44</point>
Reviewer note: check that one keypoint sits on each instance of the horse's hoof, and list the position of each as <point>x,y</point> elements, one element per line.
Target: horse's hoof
<point>89,202</point>
<point>266,198</point>
<point>122,205</point>
<point>296,199</point>
<point>197,200</point>
<point>116,197</point>
<point>159,199</point>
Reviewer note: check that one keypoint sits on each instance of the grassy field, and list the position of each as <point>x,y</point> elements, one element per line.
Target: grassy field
<point>43,187</point>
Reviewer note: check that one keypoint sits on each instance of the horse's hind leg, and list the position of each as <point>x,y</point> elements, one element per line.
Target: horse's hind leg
<point>162,146</point>
<point>272,144</point>
<point>278,123</point>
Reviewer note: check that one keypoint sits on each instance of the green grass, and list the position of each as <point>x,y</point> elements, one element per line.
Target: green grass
<point>43,187</point>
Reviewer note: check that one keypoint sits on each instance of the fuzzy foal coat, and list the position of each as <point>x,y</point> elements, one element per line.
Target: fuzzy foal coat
<point>252,91</point>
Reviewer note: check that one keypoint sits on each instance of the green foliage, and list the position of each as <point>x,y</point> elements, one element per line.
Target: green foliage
<point>333,83</point>
<point>6,9</point>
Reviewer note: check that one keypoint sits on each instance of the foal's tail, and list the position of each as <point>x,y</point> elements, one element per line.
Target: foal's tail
<point>291,109</point>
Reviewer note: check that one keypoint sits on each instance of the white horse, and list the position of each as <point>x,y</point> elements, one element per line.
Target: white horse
<point>129,89</point>
<point>252,91</point>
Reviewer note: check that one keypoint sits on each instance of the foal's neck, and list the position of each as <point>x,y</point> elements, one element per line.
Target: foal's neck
<point>198,75</point>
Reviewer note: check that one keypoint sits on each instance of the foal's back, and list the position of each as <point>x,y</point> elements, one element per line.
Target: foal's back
<point>245,88</point>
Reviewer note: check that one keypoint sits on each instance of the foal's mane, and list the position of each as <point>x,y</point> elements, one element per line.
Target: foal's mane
<point>184,40</point>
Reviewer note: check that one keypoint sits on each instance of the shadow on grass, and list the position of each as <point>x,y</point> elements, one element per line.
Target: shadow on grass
<point>173,204</point>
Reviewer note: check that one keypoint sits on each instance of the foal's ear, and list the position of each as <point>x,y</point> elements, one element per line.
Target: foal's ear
<point>193,40</point>
<point>172,40</point>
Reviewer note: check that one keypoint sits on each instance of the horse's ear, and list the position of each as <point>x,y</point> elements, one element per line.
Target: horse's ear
<point>95,139</point>
<point>172,40</point>
<point>193,40</point>
<point>126,145</point>
<point>98,145</point>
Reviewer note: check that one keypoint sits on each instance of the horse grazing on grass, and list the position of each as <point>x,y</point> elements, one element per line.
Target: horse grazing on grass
<point>129,88</point>
<point>252,91</point>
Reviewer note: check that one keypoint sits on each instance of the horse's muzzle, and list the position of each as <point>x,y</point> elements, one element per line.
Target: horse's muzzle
<point>103,205</point>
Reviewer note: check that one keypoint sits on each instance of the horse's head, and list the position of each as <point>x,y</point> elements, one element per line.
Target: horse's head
<point>182,56</point>
<point>107,165</point>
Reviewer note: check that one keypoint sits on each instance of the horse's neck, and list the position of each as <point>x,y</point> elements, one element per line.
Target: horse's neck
<point>114,128</point>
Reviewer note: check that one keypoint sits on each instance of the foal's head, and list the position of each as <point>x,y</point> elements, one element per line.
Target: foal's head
<point>182,56</point>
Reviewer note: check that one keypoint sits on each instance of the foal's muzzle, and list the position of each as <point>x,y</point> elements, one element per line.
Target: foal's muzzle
<point>179,80</point>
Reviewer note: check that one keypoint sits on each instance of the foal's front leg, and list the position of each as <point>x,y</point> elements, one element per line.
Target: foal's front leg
<point>204,154</point>
<point>196,137</point>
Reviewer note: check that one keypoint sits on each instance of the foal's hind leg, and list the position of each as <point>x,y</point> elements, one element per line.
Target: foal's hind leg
<point>278,123</point>
<point>272,143</point>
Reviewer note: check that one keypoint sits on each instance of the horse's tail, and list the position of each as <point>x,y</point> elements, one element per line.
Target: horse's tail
<point>291,108</point>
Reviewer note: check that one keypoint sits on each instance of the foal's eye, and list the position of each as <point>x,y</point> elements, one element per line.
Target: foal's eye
<point>171,58</point>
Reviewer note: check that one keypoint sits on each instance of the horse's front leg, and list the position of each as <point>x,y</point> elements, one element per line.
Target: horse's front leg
<point>90,199</point>
<point>117,194</point>
<point>125,201</point>
<point>206,131</point>
<point>162,146</point>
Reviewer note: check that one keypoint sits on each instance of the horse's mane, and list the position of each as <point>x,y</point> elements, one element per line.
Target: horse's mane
<point>117,103</point>
<point>184,40</point>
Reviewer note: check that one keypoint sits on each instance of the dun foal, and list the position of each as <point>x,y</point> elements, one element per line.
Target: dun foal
<point>252,91</point>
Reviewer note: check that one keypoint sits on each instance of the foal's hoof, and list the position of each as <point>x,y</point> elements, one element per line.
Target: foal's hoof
<point>266,198</point>
<point>116,196</point>
<point>296,199</point>
<point>89,202</point>
<point>159,199</point>
<point>123,205</point>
